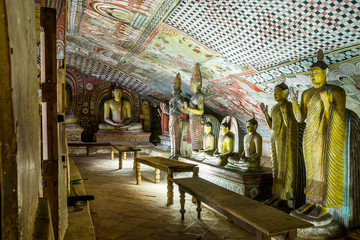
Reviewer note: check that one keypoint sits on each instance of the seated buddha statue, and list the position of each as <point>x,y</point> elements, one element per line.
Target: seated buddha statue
<point>208,143</point>
<point>225,147</point>
<point>117,114</point>
<point>250,157</point>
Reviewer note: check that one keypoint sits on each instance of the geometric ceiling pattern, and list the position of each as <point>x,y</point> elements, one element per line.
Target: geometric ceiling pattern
<point>242,47</point>
<point>266,33</point>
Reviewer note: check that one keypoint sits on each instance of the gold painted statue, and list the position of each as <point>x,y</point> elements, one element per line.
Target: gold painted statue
<point>117,114</point>
<point>196,109</point>
<point>323,109</point>
<point>284,145</point>
<point>208,143</point>
<point>251,156</point>
<point>225,147</point>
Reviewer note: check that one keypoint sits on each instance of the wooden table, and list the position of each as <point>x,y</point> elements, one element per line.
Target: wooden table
<point>257,217</point>
<point>166,165</point>
<point>123,149</point>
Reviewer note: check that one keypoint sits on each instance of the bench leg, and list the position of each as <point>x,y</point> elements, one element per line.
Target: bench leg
<point>262,236</point>
<point>135,155</point>
<point>170,187</point>
<point>182,203</point>
<point>198,209</point>
<point>157,175</point>
<point>292,235</point>
<point>112,153</point>
<point>138,173</point>
<point>120,160</point>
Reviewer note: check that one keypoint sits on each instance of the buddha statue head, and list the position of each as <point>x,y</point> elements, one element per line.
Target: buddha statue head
<point>176,85</point>
<point>117,93</point>
<point>251,125</point>
<point>318,70</point>
<point>207,127</point>
<point>224,128</point>
<point>281,91</point>
<point>196,80</point>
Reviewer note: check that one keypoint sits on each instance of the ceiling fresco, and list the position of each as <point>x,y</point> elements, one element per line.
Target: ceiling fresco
<point>243,47</point>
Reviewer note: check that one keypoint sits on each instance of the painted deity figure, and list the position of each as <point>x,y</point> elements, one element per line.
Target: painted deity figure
<point>284,145</point>
<point>323,109</point>
<point>117,114</point>
<point>145,119</point>
<point>196,109</point>
<point>225,147</point>
<point>175,120</point>
<point>164,122</point>
<point>251,156</point>
<point>208,143</point>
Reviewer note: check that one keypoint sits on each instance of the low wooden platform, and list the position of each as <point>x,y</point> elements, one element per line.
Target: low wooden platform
<point>167,165</point>
<point>87,145</point>
<point>257,217</point>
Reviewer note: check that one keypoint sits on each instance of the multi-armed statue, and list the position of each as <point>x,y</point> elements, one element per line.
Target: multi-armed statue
<point>117,114</point>
<point>174,111</point>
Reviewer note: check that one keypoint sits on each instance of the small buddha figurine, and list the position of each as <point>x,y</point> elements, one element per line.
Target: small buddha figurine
<point>208,143</point>
<point>250,157</point>
<point>225,147</point>
<point>284,145</point>
<point>323,109</point>
<point>175,120</point>
<point>196,109</point>
<point>117,114</point>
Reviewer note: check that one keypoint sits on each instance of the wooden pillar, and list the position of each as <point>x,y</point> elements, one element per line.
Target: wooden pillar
<point>49,113</point>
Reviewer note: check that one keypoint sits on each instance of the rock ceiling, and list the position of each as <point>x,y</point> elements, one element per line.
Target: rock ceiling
<point>242,46</point>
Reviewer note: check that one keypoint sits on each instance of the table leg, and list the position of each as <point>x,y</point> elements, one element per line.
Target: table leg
<point>182,203</point>
<point>157,175</point>
<point>120,160</point>
<point>138,173</point>
<point>112,153</point>
<point>135,155</point>
<point>292,235</point>
<point>124,155</point>
<point>261,236</point>
<point>198,209</point>
<point>170,187</point>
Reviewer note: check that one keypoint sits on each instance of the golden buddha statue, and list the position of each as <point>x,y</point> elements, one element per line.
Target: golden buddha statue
<point>196,109</point>
<point>284,146</point>
<point>251,156</point>
<point>208,143</point>
<point>117,114</point>
<point>225,147</point>
<point>323,109</point>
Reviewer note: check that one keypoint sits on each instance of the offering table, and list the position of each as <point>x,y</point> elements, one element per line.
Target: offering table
<point>123,149</point>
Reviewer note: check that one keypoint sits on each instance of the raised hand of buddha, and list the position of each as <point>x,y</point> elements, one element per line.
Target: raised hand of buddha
<point>264,108</point>
<point>293,95</point>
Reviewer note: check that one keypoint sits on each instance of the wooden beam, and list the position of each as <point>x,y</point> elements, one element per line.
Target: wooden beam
<point>49,113</point>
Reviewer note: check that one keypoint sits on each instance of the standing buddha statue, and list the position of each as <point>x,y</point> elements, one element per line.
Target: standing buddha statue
<point>196,109</point>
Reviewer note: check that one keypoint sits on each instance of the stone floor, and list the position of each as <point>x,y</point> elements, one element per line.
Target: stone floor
<point>124,210</point>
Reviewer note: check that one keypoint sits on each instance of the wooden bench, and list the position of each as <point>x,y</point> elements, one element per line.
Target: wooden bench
<point>123,149</point>
<point>88,144</point>
<point>263,220</point>
<point>167,165</point>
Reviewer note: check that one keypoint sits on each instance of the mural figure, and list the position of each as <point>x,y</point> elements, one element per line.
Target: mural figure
<point>284,146</point>
<point>196,109</point>
<point>145,116</point>
<point>251,156</point>
<point>225,147</point>
<point>323,108</point>
<point>175,121</point>
<point>208,145</point>
<point>117,114</point>
<point>164,122</point>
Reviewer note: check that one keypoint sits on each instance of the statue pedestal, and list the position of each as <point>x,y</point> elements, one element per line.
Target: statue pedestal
<point>73,132</point>
<point>164,142</point>
<point>134,138</point>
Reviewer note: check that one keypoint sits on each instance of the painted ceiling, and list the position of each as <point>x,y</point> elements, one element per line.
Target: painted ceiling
<point>243,46</point>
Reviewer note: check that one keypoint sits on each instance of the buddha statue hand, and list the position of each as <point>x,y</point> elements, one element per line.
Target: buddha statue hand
<point>293,95</point>
<point>264,108</point>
